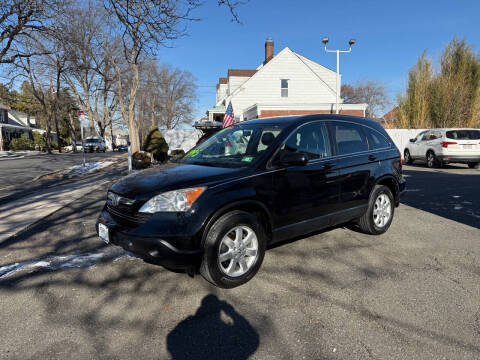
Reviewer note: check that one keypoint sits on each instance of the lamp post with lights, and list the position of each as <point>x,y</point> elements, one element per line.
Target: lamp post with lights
<point>337,92</point>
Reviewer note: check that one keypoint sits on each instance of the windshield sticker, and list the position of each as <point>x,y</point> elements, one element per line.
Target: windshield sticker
<point>247,158</point>
<point>192,153</point>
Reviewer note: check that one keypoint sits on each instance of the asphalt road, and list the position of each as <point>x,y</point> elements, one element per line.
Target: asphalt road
<point>14,171</point>
<point>412,293</point>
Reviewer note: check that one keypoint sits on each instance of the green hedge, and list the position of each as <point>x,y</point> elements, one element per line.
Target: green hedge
<point>156,145</point>
<point>177,152</point>
<point>22,143</point>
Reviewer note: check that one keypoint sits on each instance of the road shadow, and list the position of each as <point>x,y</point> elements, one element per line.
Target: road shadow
<point>216,331</point>
<point>452,195</point>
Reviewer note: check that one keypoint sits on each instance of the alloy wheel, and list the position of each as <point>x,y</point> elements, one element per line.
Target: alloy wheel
<point>382,210</point>
<point>430,160</point>
<point>238,251</point>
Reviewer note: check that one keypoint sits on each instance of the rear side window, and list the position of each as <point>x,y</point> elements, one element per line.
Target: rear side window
<point>349,138</point>
<point>464,134</point>
<point>311,139</point>
<point>376,140</point>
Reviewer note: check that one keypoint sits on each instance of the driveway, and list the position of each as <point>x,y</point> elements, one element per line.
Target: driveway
<point>412,293</point>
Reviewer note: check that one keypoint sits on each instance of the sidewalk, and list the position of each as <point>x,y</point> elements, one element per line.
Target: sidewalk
<point>21,213</point>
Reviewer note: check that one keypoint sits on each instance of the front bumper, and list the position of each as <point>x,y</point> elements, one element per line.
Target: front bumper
<point>459,158</point>
<point>151,248</point>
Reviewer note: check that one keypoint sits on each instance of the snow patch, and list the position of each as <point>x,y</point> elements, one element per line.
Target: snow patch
<point>55,263</point>
<point>184,139</point>
<point>78,170</point>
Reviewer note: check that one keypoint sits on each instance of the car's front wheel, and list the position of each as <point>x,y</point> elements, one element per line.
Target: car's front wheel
<point>473,165</point>
<point>233,250</point>
<point>379,215</point>
<point>407,157</point>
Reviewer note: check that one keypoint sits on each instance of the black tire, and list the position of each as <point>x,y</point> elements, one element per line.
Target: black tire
<point>431,160</point>
<point>366,222</point>
<point>407,157</point>
<point>473,165</point>
<point>210,266</point>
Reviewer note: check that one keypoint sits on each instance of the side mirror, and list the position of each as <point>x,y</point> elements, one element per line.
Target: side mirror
<point>412,140</point>
<point>294,159</point>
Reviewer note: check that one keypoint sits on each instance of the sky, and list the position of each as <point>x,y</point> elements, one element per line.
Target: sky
<point>390,36</point>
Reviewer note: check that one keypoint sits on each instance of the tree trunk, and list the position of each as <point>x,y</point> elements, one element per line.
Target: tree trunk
<point>73,136</point>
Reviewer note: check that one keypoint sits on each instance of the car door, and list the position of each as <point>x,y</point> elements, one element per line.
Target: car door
<point>420,149</point>
<point>356,165</point>
<point>306,194</point>
<point>413,145</point>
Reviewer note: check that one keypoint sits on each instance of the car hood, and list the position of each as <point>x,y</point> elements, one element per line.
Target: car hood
<point>146,183</point>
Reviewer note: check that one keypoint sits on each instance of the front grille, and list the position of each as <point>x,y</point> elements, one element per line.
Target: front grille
<point>128,219</point>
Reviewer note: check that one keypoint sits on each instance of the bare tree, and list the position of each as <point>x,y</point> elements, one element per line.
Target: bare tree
<point>144,25</point>
<point>18,20</point>
<point>372,93</point>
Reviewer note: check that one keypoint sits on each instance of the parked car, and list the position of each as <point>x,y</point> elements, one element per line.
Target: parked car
<point>95,143</point>
<point>223,203</point>
<point>121,148</point>
<point>78,146</point>
<point>438,147</point>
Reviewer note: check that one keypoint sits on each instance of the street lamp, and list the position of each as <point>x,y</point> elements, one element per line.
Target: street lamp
<point>337,92</point>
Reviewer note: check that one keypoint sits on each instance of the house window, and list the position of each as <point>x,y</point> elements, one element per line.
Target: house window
<point>284,87</point>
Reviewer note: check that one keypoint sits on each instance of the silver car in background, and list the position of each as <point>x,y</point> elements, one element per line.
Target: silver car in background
<point>438,147</point>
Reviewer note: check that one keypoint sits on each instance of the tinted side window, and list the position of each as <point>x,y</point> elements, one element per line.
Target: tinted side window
<point>349,138</point>
<point>376,140</point>
<point>463,134</point>
<point>311,139</point>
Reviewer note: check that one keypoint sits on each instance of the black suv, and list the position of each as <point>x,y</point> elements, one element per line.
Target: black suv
<point>254,184</point>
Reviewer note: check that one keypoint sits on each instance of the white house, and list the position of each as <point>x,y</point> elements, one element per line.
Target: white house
<point>14,124</point>
<point>284,84</point>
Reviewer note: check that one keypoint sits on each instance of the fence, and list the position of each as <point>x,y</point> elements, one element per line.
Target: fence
<point>402,136</point>
<point>181,138</point>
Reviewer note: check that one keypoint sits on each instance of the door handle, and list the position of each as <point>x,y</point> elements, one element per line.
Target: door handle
<point>372,158</point>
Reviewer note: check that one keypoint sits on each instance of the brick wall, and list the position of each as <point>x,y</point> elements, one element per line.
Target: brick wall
<point>273,113</point>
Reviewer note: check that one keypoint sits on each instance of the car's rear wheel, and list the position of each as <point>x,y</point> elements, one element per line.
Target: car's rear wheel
<point>233,250</point>
<point>407,157</point>
<point>431,159</point>
<point>379,214</point>
<point>473,165</point>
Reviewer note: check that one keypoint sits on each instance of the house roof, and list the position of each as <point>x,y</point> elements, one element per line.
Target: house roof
<point>223,80</point>
<point>392,114</point>
<point>314,67</point>
<point>241,72</point>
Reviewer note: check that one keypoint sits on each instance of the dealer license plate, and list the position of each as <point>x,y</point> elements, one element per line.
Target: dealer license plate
<point>103,233</point>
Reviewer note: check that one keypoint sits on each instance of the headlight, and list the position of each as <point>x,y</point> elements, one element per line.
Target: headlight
<point>172,201</point>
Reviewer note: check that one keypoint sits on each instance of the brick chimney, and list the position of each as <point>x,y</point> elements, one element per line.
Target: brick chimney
<point>268,50</point>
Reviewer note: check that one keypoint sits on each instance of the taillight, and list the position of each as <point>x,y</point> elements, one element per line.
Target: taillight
<point>446,143</point>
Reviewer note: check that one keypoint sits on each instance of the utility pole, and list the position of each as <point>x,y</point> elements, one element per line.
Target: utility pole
<point>81,117</point>
<point>337,86</point>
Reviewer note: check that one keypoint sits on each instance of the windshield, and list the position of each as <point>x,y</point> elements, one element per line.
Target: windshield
<point>464,134</point>
<point>93,140</point>
<point>235,146</point>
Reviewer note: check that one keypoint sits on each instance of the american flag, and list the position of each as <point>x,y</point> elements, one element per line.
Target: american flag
<point>229,116</point>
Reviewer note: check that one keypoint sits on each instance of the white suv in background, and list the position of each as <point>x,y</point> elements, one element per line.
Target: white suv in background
<point>442,146</point>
